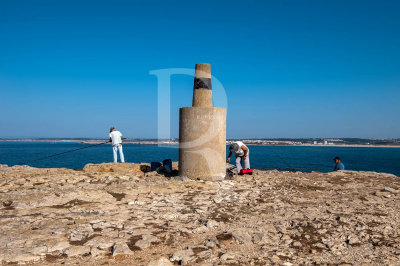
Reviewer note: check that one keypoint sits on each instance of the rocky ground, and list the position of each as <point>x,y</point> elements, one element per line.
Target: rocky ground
<point>116,214</point>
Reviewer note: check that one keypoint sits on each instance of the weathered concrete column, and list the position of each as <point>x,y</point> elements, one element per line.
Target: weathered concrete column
<point>202,132</point>
<point>202,92</point>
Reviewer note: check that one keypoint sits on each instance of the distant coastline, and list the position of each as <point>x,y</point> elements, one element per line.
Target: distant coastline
<point>349,145</point>
<point>372,143</point>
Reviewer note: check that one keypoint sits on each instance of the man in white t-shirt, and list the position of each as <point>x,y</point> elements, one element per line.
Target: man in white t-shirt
<point>116,140</point>
<point>241,153</point>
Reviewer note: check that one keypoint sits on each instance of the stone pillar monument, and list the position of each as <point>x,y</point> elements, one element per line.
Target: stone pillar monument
<point>202,132</point>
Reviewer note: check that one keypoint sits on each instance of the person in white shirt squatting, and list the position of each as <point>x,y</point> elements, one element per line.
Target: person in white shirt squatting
<point>116,139</point>
<point>241,153</point>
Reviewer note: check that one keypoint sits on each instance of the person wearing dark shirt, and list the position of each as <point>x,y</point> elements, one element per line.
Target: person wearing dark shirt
<point>338,164</point>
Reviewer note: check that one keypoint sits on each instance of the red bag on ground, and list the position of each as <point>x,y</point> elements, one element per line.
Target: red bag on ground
<point>246,172</point>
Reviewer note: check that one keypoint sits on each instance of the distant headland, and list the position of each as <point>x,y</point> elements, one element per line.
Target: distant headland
<point>318,142</point>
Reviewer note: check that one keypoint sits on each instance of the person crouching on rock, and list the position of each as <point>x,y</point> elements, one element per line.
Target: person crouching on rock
<point>241,153</point>
<point>116,139</point>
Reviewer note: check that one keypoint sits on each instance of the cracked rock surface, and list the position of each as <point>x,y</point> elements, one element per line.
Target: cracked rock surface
<point>116,214</point>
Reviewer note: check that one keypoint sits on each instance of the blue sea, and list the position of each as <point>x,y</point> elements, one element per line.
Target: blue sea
<point>300,158</point>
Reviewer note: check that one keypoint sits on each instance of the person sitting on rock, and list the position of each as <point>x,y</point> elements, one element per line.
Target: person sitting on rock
<point>338,164</point>
<point>241,153</point>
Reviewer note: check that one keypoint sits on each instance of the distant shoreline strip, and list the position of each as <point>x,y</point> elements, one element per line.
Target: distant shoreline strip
<point>176,143</point>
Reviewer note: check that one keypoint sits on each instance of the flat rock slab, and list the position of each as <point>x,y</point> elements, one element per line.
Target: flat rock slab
<point>115,214</point>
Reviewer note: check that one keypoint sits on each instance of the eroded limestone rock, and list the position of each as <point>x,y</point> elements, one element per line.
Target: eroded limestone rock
<point>54,216</point>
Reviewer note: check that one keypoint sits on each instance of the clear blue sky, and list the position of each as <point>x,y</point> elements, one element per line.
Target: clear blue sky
<point>290,68</point>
